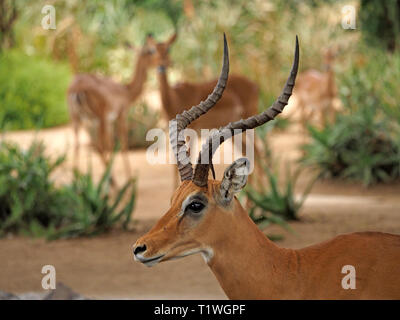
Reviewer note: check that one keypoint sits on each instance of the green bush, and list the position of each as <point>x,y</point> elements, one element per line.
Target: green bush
<point>97,211</point>
<point>28,197</point>
<point>275,202</point>
<point>380,22</point>
<point>32,92</point>
<point>363,143</point>
<point>357,146</point>
<point>272,198</point>
<point>31,204</point>
<point>173,9</point>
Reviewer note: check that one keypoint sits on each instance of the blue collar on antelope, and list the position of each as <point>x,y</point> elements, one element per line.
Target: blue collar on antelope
<point>161,69</point>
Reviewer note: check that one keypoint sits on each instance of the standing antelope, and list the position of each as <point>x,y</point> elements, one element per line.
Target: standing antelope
<point>206,217</point>
<point>315,91</point>
<point>240,98</point>
<point>104,102</point>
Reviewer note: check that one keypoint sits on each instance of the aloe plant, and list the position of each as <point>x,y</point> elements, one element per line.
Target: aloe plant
<point>272,203</point>
<point>97,211</point>
<point>359,146</point>
<point>31,204</point>
<point>27,194</point>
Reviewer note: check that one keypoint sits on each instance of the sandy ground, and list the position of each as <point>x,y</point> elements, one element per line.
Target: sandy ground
<point>103,267</point>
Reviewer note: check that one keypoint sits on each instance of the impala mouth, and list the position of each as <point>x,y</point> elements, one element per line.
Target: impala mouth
<point>149,262</point>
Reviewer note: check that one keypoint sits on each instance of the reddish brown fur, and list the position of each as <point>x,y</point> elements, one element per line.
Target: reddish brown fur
<point>102,101</point>
<point>316,90</point>
<point>250,266</point>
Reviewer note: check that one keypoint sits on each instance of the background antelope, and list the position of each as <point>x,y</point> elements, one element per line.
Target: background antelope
<point>205,217</point>
<point>316,91</point>
<point>102,102</point>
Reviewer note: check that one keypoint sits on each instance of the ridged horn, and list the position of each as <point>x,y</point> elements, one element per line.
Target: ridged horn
<point>218,137</point>
<point>182,120</point>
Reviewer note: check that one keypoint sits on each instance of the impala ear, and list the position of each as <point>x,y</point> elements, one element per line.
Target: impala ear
<point>172,39</point>
<point>235,178</point>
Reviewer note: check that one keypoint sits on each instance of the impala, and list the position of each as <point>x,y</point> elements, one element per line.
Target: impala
<point>315,91</point>
<point>103,102</point>
<point>205,217</point>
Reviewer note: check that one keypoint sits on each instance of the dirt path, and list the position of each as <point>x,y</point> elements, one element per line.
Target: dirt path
<point>103,267</point>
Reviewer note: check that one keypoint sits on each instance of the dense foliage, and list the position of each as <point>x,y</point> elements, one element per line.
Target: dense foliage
<point>32,204</point>
<point>363,143</point>
<point>28,197</point>
<point>275,200</point>
<point>380,22</point>
<point>357,147</point>
<point>32,92</point>
<point>97,210</point>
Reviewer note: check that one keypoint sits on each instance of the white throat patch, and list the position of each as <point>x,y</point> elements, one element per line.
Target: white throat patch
<point>207,254</point>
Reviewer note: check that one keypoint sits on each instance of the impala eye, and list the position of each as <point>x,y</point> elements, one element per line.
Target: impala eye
<point>151,51</point>
<point>195,207</point>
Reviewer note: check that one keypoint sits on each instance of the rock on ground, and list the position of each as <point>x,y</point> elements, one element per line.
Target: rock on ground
<point>62,292</point>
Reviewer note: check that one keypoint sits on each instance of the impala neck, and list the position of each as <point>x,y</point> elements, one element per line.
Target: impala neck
<point>248,265</point>
<point>135,86</point>
<point>331,82</point>
<point>166,92</point>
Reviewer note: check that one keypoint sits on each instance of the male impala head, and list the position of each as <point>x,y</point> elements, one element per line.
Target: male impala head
<point>201,208</point>
<point>160,51</point>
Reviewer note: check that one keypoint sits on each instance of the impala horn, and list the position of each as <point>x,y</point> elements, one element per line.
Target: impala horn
<point>182,120</point>
<point>218,137</point>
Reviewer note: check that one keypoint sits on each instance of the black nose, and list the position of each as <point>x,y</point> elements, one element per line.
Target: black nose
<point>139,249</point>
